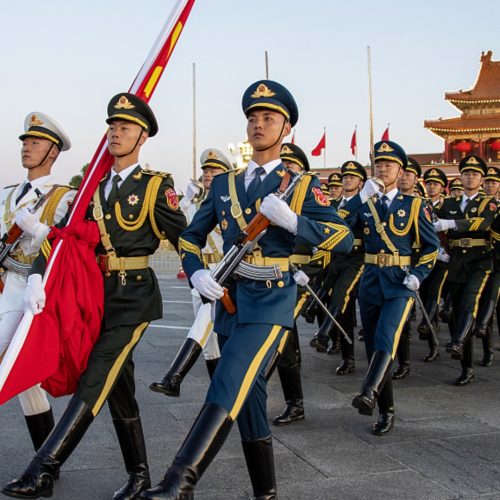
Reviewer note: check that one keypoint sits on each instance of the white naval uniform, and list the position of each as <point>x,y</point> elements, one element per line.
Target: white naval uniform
<point>34,400</point>
<point>202,329</point>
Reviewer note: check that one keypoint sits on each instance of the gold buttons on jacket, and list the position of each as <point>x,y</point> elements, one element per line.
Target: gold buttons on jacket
<point>248,211</point>
<point>139,277</point>
<point>107,216</point>
<point>280,284</point>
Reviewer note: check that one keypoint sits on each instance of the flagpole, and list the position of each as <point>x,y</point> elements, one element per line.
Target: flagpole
<point>267,65</point>
<point>356,149</point>
<point>324,154</point>
<point>370,100</point>
<point>194,121</point>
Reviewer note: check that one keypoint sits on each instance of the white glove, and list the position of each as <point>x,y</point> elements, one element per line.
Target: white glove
<point>192,190</point>
<point>411,283</point>
<point>31,225</point>
<point>34,294</point>
<point>443,256</point>
<point>279,213</point>
<point>301,278</point>
<point>206,285</point>
<point>444,224</point>
<point>369,189</point>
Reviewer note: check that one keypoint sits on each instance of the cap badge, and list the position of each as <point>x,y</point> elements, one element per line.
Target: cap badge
<point>472,161</point>
<point>433,172</point>
<point>491,171</point>
<point>212,155</point>
<point>286,150</point>
<point>385,148</point>
<point>34,121</point>
<point>351,165</point>
<point>263,91</point>
<point>124,103</point>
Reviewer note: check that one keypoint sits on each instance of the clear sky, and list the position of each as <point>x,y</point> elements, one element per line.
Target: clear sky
<point>68,58</point>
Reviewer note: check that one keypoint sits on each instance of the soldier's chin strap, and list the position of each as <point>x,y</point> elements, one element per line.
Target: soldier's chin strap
<point>46,154</point>
<point>277,140</point>
<point>133,149</point>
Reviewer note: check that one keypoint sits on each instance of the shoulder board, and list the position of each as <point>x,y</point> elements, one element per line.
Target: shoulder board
<point>65,186</point>
<point>156,173</point>
<point>11,186</point>
<point>236,171</point>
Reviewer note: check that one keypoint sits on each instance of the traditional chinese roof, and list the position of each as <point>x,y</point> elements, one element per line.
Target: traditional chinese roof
<point>486,89</point>
<point>427,158</point>
<point>465,124</point>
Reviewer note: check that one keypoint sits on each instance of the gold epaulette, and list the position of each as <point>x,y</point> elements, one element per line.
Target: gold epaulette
<point>156,173</point>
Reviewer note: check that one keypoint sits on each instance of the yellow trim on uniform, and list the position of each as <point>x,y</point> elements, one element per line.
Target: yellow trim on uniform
<point>415,206</point>
<point>213,164</point>
<point>299,194</point>
<point>480,292</point>
<point>156,181</point>
<point>208,330</point>
<point>427,258</point>
<point>440,290</point>
<point>299,304</point>
<point>402,322</point>
<point>343,213</point>
<point>41,134</point>
<point>189,247</point>
<point>129,118</point>
<point>49,211</point>
<point>252,371</point>
<point>477,169</point>
<point>476,224</point>
<point>268,105</point>
<point>293,160</point>
<point>350,289</point>
<point>390,158</point>
<point>341,232</point>
<point>46,248</point>
<point>283,341</point>
<point>117,366</point>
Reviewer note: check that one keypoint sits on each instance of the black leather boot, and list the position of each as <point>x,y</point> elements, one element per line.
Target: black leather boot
<point>456,346</point>
<point>205,439</point>
<point>39,427</point>
<point>292,390</point>
<point>488,347</point>
<point>260,464</point>
<point>403,369</point>
<point>211,366</point>
<point>320,343</point>
<point>131,439</point>
<point>335,346</point>
<point>385,403</point>
<point>433,350</point>
<point>481,329</point>
<point>271,365</point>
<point>38,479</point>
<point>466,377</point>
<point>186,357</point>
<point>378,371</point>
<point>347,366</point>
<point>423,328</point>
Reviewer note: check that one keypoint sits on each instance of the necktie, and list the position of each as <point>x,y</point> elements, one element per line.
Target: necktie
<point>25,189</point>
<point>385,208</point>
<point>113,194</point>
<point>466,204</point>
<point>256,182</point>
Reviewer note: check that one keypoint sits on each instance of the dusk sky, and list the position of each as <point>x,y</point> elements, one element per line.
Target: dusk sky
<point>67,59</point>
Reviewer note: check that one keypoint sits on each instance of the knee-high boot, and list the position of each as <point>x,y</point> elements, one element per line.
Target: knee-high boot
<point>403,354</point>
<point>464,328</point>
<point>206,437</point>
<point>38,479</point>
<point>39,427</point>
<point>385,403</point>
<point>488,345</point>
<point>131,439</point>
<point>292,390</point>
<point>260,464</point>
<point>378,371</point>
<point>186,357</point>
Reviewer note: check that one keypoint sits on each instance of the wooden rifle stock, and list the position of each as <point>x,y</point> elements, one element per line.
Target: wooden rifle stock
<point>227,302</point>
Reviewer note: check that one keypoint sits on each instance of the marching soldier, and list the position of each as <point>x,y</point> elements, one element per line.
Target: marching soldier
<point>43,139</point>
<point>456,188</point>
<point>435,183</point>
<point>491,182</point>
<point>391,224</point>
<point>335,187</point>
<point>344,272</point>
<point>201,336</point>
<point>468,221</point>
<point>264,307</point>
<point>134,209</point>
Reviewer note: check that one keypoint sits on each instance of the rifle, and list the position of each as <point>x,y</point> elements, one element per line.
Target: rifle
<point>246,241</point>
<point>11,239</point>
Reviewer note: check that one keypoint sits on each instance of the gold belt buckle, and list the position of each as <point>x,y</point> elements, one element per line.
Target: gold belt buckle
<point>466,242</point>
<point>383,259</point>
<point>236,210</point>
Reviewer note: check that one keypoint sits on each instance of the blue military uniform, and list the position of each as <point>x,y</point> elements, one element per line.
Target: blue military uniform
<point>385,302</point>
<point>265,308</point>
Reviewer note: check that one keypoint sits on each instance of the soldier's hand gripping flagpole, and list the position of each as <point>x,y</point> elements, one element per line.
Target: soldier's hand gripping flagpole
<point>294,269</point>
<point>48,335</point>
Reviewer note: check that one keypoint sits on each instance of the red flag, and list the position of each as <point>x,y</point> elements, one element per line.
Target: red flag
<point>321,145</point>
<point>53,347</point>
<point>293,137</point>
<point>353,143</point>
<point>385,135</point>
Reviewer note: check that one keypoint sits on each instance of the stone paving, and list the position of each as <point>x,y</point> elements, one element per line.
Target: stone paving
<point>445,445</point>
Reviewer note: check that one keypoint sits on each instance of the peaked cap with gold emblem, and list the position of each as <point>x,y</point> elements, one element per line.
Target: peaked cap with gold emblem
<point>335,179</point>
<point>44,127</point>
<point>353,168</point>
<point>436,175</point>
<point>413,166</point>
<point>213,158</point>
<point>292,152</point>
<point>389,150</point>
<point>492,174</point>
<point>267,94</point>
<point>130,108</point>
<point>456,184</point>
<point>472,162</point>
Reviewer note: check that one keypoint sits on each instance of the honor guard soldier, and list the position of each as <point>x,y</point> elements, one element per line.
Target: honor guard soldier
<point>344,273</point>
<point>335,187</point>
<point>134,209</point>
<point>456,188</point>
<point>408,182</point>
<point>201,336</point>
<point>42,141</point>
<point>467,220</point>
<point>491,182</point>
<point>391,224</point>
<point>264,305</point>
<point>435,183</point>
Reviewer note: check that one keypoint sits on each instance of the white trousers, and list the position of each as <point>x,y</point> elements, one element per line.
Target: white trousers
<point>202,330</point>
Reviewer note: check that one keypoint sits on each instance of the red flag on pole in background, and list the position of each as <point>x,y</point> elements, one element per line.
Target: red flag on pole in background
<point>293,137</point>
<point>353,142</point>
<point>321,145</point>
<point>385,135</point>
<point>53,347</point>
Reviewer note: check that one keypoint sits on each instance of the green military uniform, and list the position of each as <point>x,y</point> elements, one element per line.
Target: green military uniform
<point>470,263</point>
